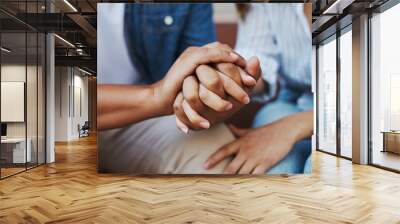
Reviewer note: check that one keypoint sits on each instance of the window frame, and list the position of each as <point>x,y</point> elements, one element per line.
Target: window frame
<point>334,37</point>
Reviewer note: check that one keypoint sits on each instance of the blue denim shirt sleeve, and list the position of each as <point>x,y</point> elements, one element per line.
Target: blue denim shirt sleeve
<point>199,28</point>
<point>154,44</point>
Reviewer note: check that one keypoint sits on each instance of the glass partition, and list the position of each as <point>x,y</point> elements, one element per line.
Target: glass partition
<point>22,77</point>
<point>14,153</point>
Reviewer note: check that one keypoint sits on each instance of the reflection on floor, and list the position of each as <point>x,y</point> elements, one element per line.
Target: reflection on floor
<point>14,169</point>
<point>10,171</point>
<point>71,191</point>
<point>387,159</point>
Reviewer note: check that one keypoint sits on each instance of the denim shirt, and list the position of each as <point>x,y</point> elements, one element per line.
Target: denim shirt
<point>156,34</point>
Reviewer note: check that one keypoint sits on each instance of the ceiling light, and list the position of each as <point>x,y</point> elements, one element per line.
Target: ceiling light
<point>5,50</point>
<point>79,51</point>
<point>84,71</point>
<point>65,41</point>
<point>337,7</point>
<point>70,5</point>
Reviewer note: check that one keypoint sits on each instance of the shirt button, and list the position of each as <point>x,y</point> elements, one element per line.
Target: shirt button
<point>168,20</point>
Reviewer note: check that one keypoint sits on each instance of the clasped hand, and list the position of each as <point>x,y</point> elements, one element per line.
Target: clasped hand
<point>215,91</point>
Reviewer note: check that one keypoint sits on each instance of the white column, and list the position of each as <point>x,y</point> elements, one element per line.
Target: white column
<point>50,98</point>
<point>360,90</point>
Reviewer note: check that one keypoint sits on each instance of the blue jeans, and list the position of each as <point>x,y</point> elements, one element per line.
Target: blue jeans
<point>287,103</point>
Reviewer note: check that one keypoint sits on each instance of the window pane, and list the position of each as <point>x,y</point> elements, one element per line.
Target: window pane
<point>386,89</point>
<point>327,97</point>
<point>346,94</point>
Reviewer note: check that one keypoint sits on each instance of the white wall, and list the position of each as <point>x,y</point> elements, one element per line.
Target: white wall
<point>225,13</point>
<point>62,82</point>
<point>80,100</point>
<point>70,83</point>
<point>15,72</point>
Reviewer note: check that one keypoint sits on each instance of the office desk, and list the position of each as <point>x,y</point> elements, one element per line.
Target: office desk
<point>13,150</point>
<point>391,141</point>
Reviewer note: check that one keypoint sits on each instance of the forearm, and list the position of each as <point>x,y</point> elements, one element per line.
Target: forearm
<point>121,105</point>
<point>299,125</point>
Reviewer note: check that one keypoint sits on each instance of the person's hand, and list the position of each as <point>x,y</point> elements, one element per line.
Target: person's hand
<point>214,94</point>
<point>255,151</point>
<point>167,89</point>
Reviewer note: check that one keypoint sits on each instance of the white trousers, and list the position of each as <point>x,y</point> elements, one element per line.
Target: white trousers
<point>156,146</point>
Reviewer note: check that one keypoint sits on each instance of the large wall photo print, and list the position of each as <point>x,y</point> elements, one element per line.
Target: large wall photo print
<point>218,88</point>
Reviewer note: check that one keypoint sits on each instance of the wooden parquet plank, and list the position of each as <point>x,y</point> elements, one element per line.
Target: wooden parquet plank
<point>71,191</point>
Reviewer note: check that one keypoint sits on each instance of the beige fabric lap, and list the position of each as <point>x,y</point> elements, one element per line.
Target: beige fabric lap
<point>156,146</point>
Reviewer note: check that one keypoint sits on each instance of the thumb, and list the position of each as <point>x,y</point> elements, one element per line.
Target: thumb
<point>238,132</point>
<point>253,67</point>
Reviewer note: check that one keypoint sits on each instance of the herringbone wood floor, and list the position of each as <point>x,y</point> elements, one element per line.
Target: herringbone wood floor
<point>70,191</point>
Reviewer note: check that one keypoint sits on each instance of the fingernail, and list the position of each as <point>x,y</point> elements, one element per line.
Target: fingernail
<point>228,107</point>
<point>182,126</point>
<point>253,58</point>
<point>246,100</point>
<point>206,165</point>
<point>205,124</point>
<point>184,129</point>
<point>233,55</point>
<point>250,79</point>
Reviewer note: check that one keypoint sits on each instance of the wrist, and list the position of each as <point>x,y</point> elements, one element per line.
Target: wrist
<point>299,125</point>
<point>292,128</point>
<point>161,107</point>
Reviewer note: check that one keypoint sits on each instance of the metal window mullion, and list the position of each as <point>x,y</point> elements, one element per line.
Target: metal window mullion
<point>369,95</point>
<point>338,95</point>
<point>72,93</point>
<point>26,87</point>
<point>45,95</point>
<point>37,91</point>
<point>317,96</point>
